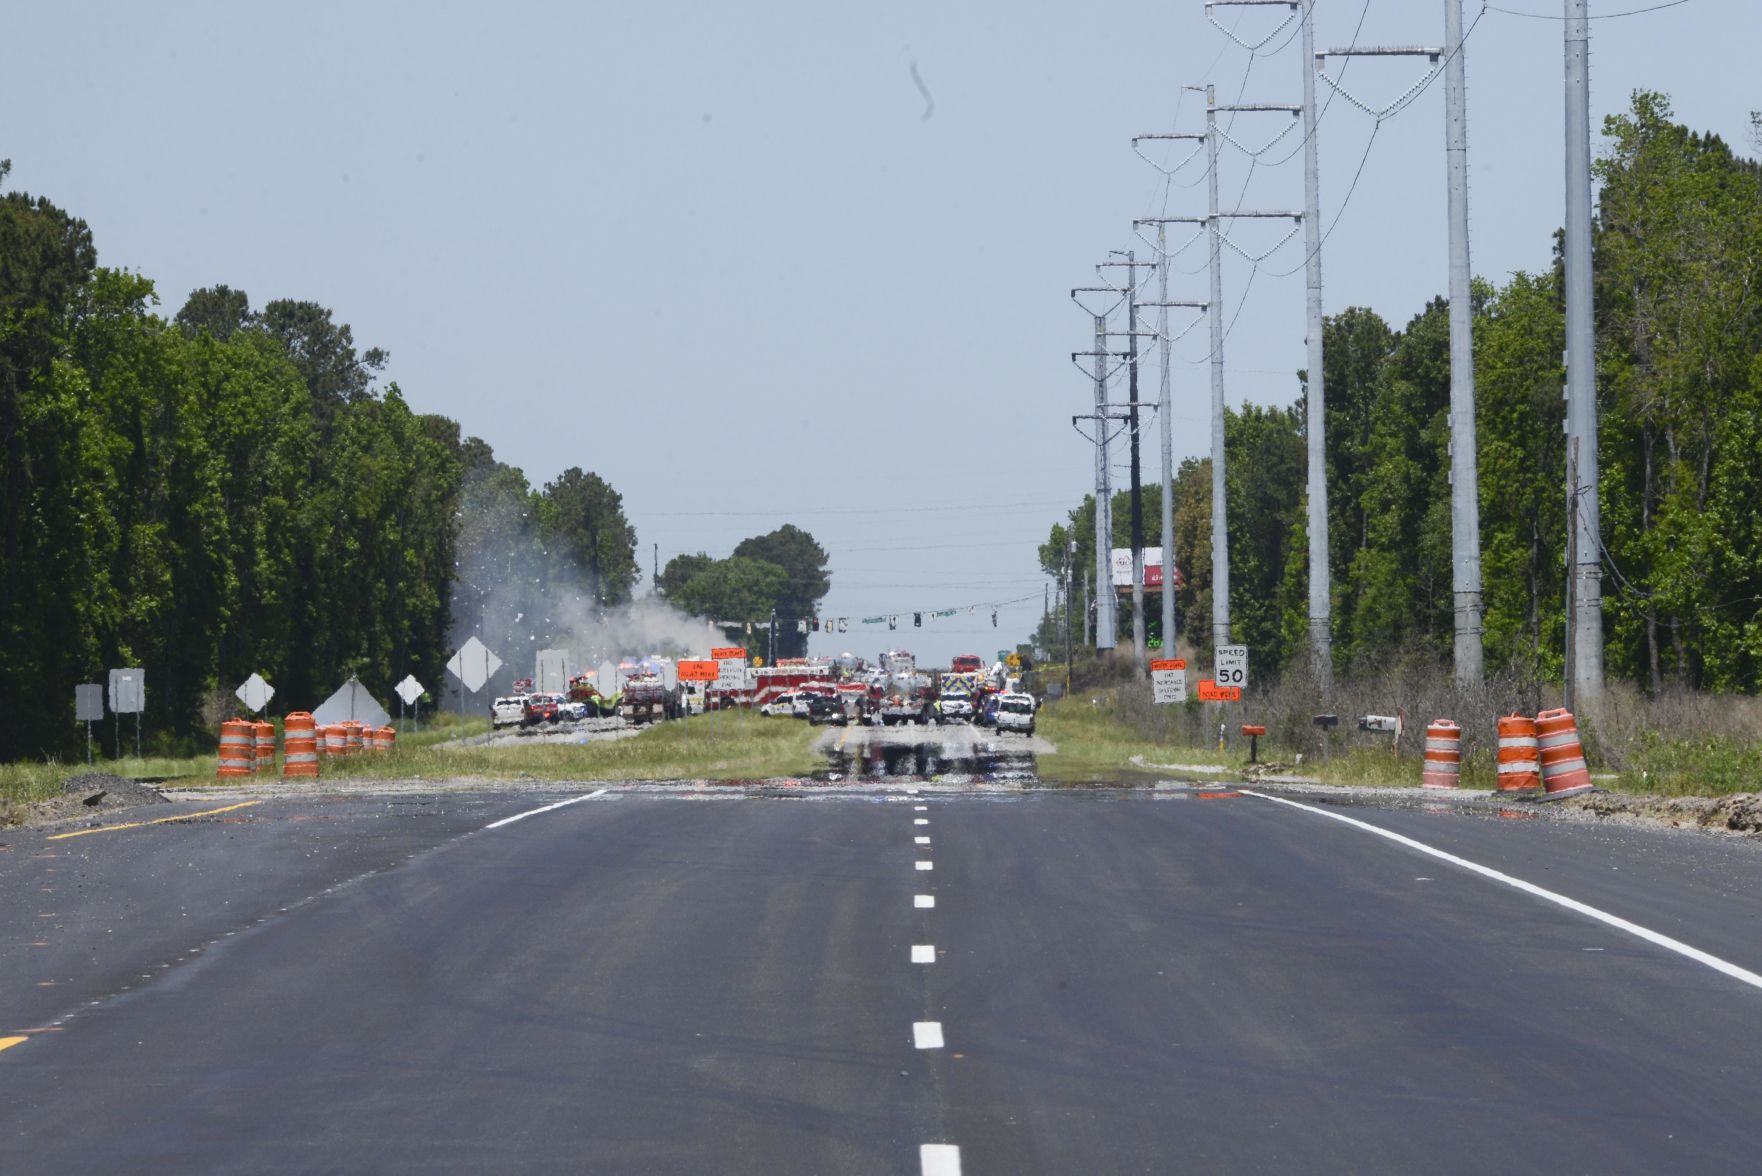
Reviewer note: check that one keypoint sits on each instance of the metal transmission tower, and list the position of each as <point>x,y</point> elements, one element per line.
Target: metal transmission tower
<point>1465,541</point>
<point>1321,655</point>
<point>1585,591</point>
<point>1131,265</point>
<point>1220,535</point>
<point>1164,404</point>
<point>1106,626</point>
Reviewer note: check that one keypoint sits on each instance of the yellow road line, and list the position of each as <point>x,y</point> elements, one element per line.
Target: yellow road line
<point>9,1042</point>
<point>162,820</point>
<point>843,735</point>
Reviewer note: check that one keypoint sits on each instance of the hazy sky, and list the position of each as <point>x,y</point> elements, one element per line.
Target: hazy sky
<point>731,258</point>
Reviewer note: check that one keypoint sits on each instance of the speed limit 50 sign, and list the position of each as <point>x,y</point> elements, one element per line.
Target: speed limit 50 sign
<point>1232,666</point>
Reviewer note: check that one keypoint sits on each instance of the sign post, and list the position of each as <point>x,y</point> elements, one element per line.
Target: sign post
<point>88,708</point>
<point>1232,666</point>
<point>128,695</point>
<point>409,692</point>
<point>473,665</point>
<point>255,693</point>
<point>696,670</point>
<point>1168,680</point>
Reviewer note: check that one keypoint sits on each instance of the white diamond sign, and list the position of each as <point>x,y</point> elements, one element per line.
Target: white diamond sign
<point>473,664</point>
<point>255,693</point>
<point>409,689</point>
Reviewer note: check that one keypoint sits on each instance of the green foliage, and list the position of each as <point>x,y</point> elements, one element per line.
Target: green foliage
<point>1678,262</point>
<point>584,517</point>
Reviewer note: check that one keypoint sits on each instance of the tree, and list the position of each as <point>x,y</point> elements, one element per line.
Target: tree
<point>679,572</point>
<point>735,591</point>
<point>323,351</point>
<point>807,581</point>
<point>221,311</point>
<point>583,517</point>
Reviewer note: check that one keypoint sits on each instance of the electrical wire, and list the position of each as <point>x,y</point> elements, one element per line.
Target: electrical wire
<point>1599,16</point>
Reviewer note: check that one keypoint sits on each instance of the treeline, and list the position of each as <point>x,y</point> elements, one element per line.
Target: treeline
<point>226,493</point>
<point>784,570</point>
<point>1678,272</point>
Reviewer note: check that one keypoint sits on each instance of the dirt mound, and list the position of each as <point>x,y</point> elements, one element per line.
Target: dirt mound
<point>1739,813</point>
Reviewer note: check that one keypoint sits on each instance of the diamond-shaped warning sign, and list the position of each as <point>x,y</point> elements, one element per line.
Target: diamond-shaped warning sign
<point>474,664</point>
<point>255,693</point>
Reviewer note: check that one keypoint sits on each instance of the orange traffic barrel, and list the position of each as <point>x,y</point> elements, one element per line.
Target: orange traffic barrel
<point>335,742</point>
<point>237,740</point>
<point>264,745</point>
<point>1443,763</point>
<point>352,742</point>
<point>1520,756</point>
<point>1563,756</point>
<point>382,738</point>
<point>299,745</point>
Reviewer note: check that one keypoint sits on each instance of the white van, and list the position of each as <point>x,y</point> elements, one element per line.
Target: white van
<point>1015,712</point>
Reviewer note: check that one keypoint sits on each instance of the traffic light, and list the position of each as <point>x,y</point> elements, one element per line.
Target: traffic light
<point>917,620</point>
<point>994,618</point>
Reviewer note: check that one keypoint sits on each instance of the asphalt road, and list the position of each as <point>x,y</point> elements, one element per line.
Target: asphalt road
<point>1120,982</point>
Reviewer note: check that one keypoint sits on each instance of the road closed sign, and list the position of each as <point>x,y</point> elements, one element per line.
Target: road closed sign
<point>1210,691</point>
<point>1168,680</point>
<point>698,671</point>
<point>1232,666</point>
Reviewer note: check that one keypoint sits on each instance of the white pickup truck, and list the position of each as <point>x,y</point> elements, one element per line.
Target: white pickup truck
<point>1015,712</point>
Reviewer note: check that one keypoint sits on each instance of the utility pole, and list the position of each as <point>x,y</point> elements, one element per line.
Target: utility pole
<point>1321,608</point>
<point>1321,658</point>
<point>1465,507</point>
<point>1105,626</point>
<point>1070,572</point>
<point>1139,648</point>
<point>1585,618</point>
<point>1220,535</point>
<point>1465,542</point>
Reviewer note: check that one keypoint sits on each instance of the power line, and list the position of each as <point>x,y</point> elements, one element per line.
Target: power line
<point>1599,16</point>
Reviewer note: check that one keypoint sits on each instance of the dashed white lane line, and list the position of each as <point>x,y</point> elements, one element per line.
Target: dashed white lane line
<point>920,820</point>
<point>939,1159</point>
<point>923,953</point>
<point>1572,904</point>
<point>926,865</point>
<point>927,1034</point>
<point>921,840</point>
<point>924,902</point>
<point>547,808</point>
<point>920,808</point>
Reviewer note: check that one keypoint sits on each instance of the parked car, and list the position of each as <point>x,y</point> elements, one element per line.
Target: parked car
<point>508,711</point>
<point>1015,712</point>
<point>574,711</point>
<point>783,704</point>
<point>826,708</point>
<point>541,708</point>
<point>799,707</point>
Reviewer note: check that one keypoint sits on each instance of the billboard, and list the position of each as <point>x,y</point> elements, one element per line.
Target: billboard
<point>1122,569</point>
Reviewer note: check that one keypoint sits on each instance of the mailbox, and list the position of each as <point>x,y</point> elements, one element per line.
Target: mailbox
<point>1252,731</point>
<point>1327,722</point>
<point>1386,724</point>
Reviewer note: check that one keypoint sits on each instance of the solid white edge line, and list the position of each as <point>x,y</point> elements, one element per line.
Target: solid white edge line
<point>547,808</point>
<point>923,953</point>
<point>1572,904</point>
<point>924,902</point>
<point>939,1159</point>
<point>927,1034</point>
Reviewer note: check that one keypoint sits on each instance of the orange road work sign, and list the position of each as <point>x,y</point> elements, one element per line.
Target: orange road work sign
<point>724,652</point>
<point>1173,663</point>
<point>698,671</point>
<point>1210,691</point>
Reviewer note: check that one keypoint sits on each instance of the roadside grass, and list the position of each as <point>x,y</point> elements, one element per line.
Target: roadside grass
<point>24,782</point>
<point>1096,741</point>
<point>724,746</point>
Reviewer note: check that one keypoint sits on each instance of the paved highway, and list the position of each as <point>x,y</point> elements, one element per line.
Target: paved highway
<point>877,981</point>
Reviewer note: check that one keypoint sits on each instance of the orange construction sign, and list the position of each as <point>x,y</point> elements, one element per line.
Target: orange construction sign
<point>724,652</point>
<point>1173,663</point>
<point>698,671</point>
<point>1210,691</point>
